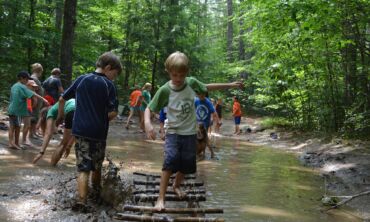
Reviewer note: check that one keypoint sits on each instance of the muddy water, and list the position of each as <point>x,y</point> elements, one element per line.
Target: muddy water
<point>251,183</point>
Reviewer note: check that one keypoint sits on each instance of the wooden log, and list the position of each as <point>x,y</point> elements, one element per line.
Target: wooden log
<point>173,210</point>
<point>349,198</point>
<point>153,197</point>
<point>144,218</point>
<point>188,176</point>
<point>187,183</point>
<point>198,191</point>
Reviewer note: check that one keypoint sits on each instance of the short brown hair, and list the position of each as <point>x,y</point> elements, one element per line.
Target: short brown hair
<point>56,71</point>
<point>108,58</point>
<point>177,61</point>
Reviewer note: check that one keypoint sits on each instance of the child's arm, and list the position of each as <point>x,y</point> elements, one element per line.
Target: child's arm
<point>60,111</point>
<point>219,86</point>
<point>150,133</point>
<point>42,98</point>
<point>112,115</point>
<point>216,120</point>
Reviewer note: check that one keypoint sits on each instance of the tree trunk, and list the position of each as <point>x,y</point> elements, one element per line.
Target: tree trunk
<point>157,35</point>
<point>30,44</point>
<point>126,54</point>
<point>55,49</point>
<point>229,30</point>
<point>241,34</point>
<point>66,54</point>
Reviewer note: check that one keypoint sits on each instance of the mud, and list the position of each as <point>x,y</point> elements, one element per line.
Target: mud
<point>51,194</point>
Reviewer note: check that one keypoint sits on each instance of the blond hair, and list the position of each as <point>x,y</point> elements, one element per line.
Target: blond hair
<point>177,61</point>
<point>37,68</point>
<point>147,86</point>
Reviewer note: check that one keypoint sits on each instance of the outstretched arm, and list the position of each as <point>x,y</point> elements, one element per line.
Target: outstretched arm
<point>219,86</point>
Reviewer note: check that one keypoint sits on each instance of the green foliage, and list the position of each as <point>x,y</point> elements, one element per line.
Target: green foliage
<point>306,61</point>
<point>271,122</point>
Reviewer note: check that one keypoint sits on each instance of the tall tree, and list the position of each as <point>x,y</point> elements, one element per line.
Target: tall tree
<point>230,30</point>
<point>66,54</point>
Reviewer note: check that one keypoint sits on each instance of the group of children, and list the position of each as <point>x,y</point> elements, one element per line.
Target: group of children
<point>35,104</point>
<point>96,104</point>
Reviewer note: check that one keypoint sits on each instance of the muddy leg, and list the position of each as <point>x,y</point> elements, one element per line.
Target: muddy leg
<point>82,186</point>
<point>176,185</point>
<point>96,179</point>
<point>162,189</point>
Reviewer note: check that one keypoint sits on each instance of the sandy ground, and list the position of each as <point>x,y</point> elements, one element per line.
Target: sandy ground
<point>344,164</point>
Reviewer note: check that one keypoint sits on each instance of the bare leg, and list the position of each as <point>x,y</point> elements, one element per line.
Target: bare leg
<point>142,127</point>
<point>176,185</point>
<point>26,128</point>
<point>47,137</point>
<point>11,135</point>
<point>129,118</point>
<point>17,133</point>
<point>96,179</point>
<point>82,186</point>
<point>237,129</point>
<point>162,189</point>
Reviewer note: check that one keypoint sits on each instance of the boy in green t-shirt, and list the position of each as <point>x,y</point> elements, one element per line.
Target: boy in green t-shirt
<point>19,93</point>
<point>178,95</point>
<point>52,114</point>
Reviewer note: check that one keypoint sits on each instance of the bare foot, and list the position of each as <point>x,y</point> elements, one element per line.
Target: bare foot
<point>37,157</point>
<point>159,206</point>
<point>29,144</point>
<point>13,146</point>
<point>179,192</point>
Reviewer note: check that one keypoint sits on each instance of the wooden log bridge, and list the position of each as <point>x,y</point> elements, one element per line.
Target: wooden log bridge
<point>149,191</point>
<point>195,193</point>
<point>144,218</point>
<point>186,177</point>
<point>173,210</point>
<point>168,197</point>
<point>156,183</point>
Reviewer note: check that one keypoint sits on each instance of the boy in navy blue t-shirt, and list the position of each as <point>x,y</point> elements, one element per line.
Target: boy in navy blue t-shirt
<point>96,105</point>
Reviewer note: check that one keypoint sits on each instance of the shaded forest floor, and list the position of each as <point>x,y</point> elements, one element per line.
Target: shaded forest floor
<point>344,164</point>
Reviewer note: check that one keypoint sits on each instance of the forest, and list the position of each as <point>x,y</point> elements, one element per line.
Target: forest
<point>303,62</point>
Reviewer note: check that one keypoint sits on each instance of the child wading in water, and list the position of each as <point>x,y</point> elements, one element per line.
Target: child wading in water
<point>19,93</point>
<point>237,114</point>
<point>180,143</point>
<point>96,105</point>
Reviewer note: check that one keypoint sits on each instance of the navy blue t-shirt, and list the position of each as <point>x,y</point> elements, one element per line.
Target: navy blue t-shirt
<point>51,86</point>
<point>204,109</point>
<point>96,96</point>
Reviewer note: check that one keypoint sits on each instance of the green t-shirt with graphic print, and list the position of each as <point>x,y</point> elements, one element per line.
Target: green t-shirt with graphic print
<point>181,117</point>
<point>19,93</point>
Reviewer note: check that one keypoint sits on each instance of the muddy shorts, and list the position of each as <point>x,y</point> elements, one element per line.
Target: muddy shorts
<point>180,153</point>
<point>15,121</point>
<point>89,154</point>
